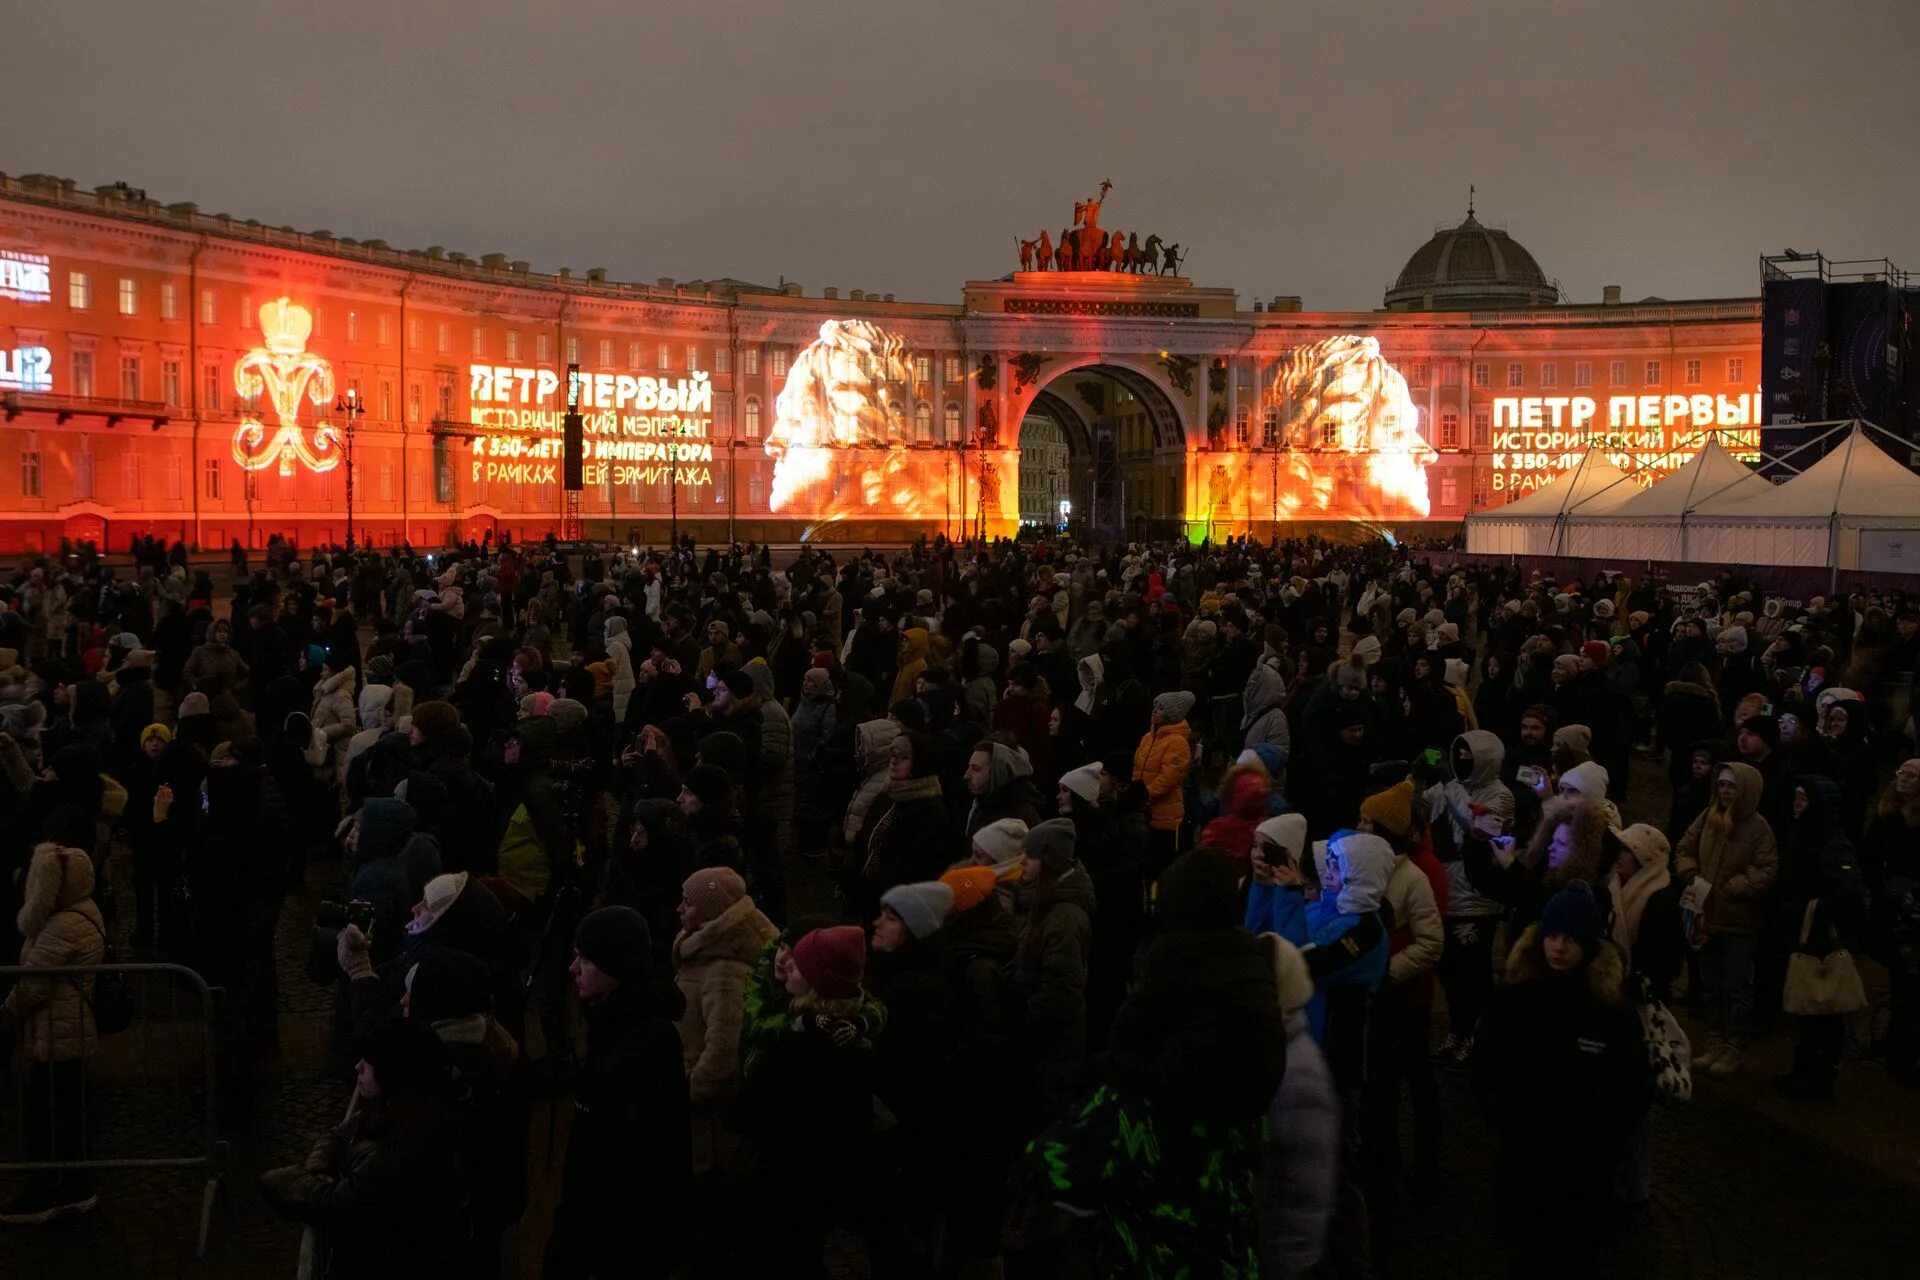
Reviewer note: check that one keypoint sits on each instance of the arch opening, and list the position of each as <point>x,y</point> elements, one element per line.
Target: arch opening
<point>1106,441</point>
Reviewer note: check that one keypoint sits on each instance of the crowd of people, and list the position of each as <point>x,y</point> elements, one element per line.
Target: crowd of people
<point>989,902</point>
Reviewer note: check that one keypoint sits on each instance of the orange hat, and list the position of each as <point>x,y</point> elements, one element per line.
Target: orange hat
<point>971,886</point>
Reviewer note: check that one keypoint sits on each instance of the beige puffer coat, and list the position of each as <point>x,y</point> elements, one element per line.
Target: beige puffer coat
<point>712,964</point>
<point>61,927</point>
<point>335,713</point>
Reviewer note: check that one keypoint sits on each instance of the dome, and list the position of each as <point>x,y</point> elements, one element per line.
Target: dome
<point>1470,266</point>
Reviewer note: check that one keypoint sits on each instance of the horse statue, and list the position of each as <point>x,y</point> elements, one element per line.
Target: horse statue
<point>1044,255</point>
<point>1026,253</point>
<point>1150,254</point>
<point>1063,256</point>
<point>1117,252</point>
<point>1131,257</point>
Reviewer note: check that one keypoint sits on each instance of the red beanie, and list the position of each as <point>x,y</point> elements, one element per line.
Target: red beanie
<point>833,961</point>
<point>1597,652</point>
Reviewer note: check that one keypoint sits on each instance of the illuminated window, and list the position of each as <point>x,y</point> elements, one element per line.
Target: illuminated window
<point>606,353</point>
<point>750,361</point>
<point>665,357</point>
<point>213,477</point>
<point>923,423</point>
<point>413,402</point>
<point>172,383</point>
<point>479,341</point>
<point>413,334</point>
<point>208,307</point>
<point>1653,373</point>
<point>210,382</point>
<point>693,358</point>
<point>1419,372</point>
<point>513,344</point>
<point>383,330</point>
<point>446,400</point>
<point>1482,429</point>
<point>952,420</point>
<point>778,358</point>
<point>173,478</point>
<point>129,377</point>
<point>386,482</point>
<point>83,373</point>
<point>1449,428</point>
<point>1329,433</point>
<point>129,296</point>
<point>1449,491</point>
<point>1516,374</point>
<point>1450,374</point>
<point>1736,369</point>
<point>1693,373</point>
<point>353,326</point>
<point>633,354</point>
<point>83,472</point>
<point>722,359</point>
<point>130,475</point>
<point>750,417</point>
<point>79,291</point>
<point>169,301</point>
<point>543,347</point>
<point>29,473</point>
<point>953,368</point>
<point>756,490</point>
<point>1481,376</point>
<point>1242,419</point>
<point>1583,373</point>
<point>573,348</point>
<point>443,338</point>
<point>923,368</point>
<point>1270,427</point>
<point>386,400</point>
<point>1617,373</point>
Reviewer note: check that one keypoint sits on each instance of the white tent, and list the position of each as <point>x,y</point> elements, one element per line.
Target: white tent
<point>1652,523</point>
<point>1533,525</point>
<point>1855,508</point>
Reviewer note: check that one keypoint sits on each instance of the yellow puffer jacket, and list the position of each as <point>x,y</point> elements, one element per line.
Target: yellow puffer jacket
<point>61,927</point>
<point>1160,764</point>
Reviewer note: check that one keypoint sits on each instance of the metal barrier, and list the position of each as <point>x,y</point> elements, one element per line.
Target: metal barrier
<point>146,1096</point>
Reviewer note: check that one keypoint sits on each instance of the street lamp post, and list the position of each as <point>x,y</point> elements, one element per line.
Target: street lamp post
<point>349,404</point>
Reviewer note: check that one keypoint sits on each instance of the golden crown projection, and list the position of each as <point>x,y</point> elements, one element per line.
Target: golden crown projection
<point>287,373</point>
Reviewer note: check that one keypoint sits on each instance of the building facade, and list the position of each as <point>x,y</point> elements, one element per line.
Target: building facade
<point>165,371</point>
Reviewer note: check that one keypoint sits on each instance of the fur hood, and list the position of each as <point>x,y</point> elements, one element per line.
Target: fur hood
<point>58,879</point>
<point>738,933</point>
<point>1606,971</point>
<point>1584,862</point>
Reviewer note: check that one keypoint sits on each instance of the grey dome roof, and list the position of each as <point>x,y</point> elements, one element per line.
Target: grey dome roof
<point>1469,266</point>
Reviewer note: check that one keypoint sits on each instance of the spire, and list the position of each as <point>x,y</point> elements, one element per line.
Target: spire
<point>1469,201</point>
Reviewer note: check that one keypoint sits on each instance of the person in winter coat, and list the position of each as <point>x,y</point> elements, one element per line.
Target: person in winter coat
<point>214,669</point>
<point>380,1188</point>
<point>1300,1170</point>
<point>1640,904</point>
<point>334,713</point>
<point>1264,718</point>
<point>1024,713</point>
<point>808,1107</point>
<point>1116,866</point>
<point>1246,793</point>
<point>1569,844</point>
<point>1822,907</point>
<point>721,934</point>
<point>776,770</point>
<point>442,746</point>
<point>1345,941</point>
<point>1689,712</point>
<point>52,1021</point>
<point>913,660</point>
<point>1694,793</point>
<point>1196,1055</point>
<point>628,1174</point>
<point>1890,863</point>
<point>536,842</point>
<point>1160,765</point>
<point>1560,1067</point>
<point>816,797</point>
<point>873,743</point>
<point>906,837</point>
<point>1731,847</point>
<point>620,664</point>
<point>1000,778</point>
<point>1474,792</point>
<point>1049,975</point>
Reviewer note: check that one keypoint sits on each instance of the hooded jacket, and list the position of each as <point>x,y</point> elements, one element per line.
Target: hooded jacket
<point>711,965</point>
<point>334,713</point>
<point>1263,719</point>
<point>620,662</point>
<point>1456,800</point>
<point>913,644</point>
<point>1743,866</point>
<point>60,926</point>
<point>982,693</point>
<point>1010,789</point>
<point>1160,764</point>
<point>1092,672</point>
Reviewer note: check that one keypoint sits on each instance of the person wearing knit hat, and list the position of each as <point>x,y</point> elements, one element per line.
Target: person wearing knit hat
<point>917,910</point>
<point>1561,1062</point>
<point>829,963</point>
<point>997,846</point>
<point>1048,846</point>
<point>446,984</point>
<point>1566,666</point>
<point>155,738</point>
<point>194,704</point>
<point>1281,841</point>
<point>706,786</point>
<point>441,893</point>
<point>1083,782</point>
<point>970,887</point>
<point>1160,764</point>
<point>1389,813</point>
<point>722,935</point>
<point>569,715</point>
<point>1174,707</point>
<point>1595,654</point>
<point>707,893</point>
<point>616,943</point>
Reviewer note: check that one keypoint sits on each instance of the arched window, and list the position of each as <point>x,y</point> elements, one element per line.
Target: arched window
<point>923,422</point>
<point>953,422</point>
<point>1241,418</point>
<point>751,417</point>
<point>1270,427</point>
<point>1449,428</point>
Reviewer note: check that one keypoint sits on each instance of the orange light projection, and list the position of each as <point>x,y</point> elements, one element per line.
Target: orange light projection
<point>288,373</point>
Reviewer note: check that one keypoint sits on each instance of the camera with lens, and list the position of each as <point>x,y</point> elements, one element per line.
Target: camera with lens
<point>338,915</point>
<point>329,918</point>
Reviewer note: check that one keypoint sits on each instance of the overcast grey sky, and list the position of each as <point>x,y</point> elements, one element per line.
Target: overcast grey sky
<point>1296,146</point>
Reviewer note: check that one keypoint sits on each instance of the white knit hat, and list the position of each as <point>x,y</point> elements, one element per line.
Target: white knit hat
<point>1083,782</point>
<point>1001,840</point>
<point>438,896</point>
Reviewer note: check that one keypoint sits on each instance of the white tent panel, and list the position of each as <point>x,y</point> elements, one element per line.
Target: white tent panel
<point>1712,474</point>
<point>1857,479</point>
<point>1591,480</point>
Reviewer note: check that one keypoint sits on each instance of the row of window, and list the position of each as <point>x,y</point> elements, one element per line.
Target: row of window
<point>1693,373</point>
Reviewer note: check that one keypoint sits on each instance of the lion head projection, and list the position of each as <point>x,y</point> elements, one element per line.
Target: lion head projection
<point>1339,396</point>
<point>850,389</point>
